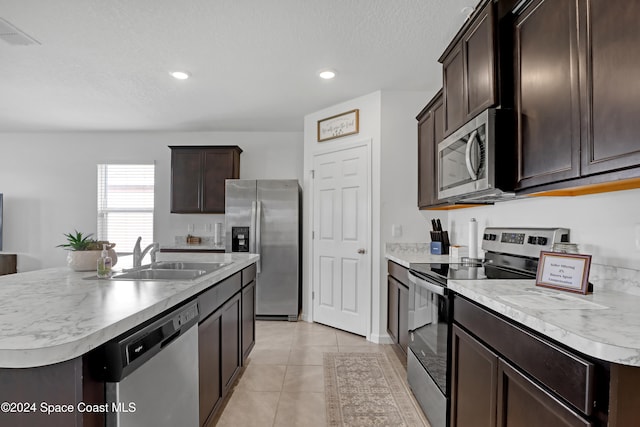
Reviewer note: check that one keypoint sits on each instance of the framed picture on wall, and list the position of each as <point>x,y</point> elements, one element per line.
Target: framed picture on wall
<point>339,125</point>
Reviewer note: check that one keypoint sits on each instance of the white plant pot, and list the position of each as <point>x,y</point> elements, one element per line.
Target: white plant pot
<point>88,260</point>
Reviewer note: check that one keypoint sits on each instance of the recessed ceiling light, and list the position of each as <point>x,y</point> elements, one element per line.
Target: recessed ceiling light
<point>327,74</point>
<point>180,75</point>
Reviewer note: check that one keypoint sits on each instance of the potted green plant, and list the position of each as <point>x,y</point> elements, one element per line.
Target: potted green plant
<point>84,251</point>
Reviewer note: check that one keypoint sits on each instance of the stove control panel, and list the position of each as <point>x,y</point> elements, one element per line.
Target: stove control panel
<point>522,241</point>
<point>515,238</point>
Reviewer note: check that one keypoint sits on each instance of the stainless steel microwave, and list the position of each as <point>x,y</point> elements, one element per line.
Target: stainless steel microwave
<point>476,163</point>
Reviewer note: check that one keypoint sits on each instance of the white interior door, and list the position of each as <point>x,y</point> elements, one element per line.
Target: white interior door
<point>341,255</point>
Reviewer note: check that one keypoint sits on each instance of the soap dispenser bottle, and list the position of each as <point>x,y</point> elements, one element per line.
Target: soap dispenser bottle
<point>104,263</point>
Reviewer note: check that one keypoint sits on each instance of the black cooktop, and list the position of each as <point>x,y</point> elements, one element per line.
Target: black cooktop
<point>465,271</point>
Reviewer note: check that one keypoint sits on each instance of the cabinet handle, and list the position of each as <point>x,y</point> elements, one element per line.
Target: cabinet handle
<point>361,251</point>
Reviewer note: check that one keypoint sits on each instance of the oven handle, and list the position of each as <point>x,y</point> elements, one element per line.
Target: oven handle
<point>438,290</point>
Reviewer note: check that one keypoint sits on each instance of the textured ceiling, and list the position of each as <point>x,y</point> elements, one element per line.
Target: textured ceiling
<point>102,65</point>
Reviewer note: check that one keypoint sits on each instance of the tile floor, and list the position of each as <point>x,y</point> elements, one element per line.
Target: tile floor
<point>283,381</point>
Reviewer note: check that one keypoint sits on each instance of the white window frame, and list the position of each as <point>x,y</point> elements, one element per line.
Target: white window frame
<point>103,210</point>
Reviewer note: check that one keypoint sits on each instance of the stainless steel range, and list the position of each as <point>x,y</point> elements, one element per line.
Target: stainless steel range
<point>510,253</point>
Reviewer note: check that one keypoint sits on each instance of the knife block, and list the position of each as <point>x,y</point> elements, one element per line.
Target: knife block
<point>439,242</point>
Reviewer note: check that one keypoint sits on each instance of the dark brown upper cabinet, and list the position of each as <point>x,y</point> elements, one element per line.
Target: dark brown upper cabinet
<point>430,133</point>
<point>198,175</point>
<point>470,69</point>
<point>575,98</point>
<point>615,111</point>
<point>549,58</point>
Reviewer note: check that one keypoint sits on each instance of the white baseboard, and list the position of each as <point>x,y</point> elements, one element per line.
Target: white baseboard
<point>381,339</point>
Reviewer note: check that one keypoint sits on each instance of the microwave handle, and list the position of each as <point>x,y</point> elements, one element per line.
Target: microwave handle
<point>467,155</point>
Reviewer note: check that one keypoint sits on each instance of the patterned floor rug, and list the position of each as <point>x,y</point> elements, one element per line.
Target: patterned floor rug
<point>363,389</point>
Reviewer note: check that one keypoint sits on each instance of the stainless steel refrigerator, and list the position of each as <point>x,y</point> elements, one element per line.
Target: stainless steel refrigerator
<point>263,217</point>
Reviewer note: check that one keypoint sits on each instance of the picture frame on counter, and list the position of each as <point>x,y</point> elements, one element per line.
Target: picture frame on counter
<point>565,272</point>
<point>340,125</point>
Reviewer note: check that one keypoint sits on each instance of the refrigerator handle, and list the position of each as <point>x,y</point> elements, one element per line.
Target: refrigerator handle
<point>252,229</point>
<point>258,236</point>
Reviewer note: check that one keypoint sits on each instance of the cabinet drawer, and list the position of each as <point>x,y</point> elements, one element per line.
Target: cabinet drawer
<point>399,272</point>
<point>248,275</point>
<point>566,374</point>
<point>211,299</point>
<point>521,401</point>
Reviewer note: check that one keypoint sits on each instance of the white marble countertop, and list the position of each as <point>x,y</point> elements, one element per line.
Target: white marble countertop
<point>49,316</point>
<point>604,325</point>
<point>407,253</point>
<point>191,247</point>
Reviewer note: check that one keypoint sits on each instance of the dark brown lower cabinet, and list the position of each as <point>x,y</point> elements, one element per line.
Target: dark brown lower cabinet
<point>226,335</point>
<point>219,357</point>
<point>8,264</point>
<point>66,383</point>
<point>209,365</point>
<point>397,312</point>
<point>392,308</point>
<point>474,387</point>
<point>230,342</point>
<point>504,376</point>
<point>248,319</point>
<point>487,392</point>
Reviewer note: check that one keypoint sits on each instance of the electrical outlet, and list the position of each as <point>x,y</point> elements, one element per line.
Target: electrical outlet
<point>396,230</point>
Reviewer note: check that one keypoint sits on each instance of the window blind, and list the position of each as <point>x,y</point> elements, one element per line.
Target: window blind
<point>125,204</point>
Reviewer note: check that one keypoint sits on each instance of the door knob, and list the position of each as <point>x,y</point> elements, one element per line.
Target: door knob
<point>361,251</point>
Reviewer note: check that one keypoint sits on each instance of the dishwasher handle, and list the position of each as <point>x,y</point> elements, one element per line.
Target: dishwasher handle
<point>171,338</point>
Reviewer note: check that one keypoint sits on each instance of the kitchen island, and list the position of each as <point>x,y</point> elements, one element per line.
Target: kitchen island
<point>52,319</point>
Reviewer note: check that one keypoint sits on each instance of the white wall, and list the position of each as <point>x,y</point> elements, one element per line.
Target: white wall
<point>399,168</point>
<point>50,188</point>
<point>387,121</point>
<point>398,183</point>
<point>602,225</point>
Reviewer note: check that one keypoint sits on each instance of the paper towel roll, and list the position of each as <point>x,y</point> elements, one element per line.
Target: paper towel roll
<point>473,239</point>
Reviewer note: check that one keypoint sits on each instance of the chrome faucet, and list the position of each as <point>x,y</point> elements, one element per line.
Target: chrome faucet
<point>138,255</point>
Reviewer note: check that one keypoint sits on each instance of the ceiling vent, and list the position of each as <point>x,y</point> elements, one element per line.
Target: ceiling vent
<point>14,36</point>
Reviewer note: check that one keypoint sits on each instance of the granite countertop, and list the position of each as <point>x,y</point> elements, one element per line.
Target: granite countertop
<point>604,325</point>
<point>49,316</point>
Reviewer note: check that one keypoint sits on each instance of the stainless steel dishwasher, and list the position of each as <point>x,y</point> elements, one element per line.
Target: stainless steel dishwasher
<point>152,373</point>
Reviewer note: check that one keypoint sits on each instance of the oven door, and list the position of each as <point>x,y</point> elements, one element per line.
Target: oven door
<point>430,311</point>
<point>463,161</point>
<point>429,325</point>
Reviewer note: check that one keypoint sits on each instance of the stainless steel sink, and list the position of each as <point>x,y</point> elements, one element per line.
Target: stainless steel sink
<point>160,274</point>
<point>168,270</point>
<point>180,265</point>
